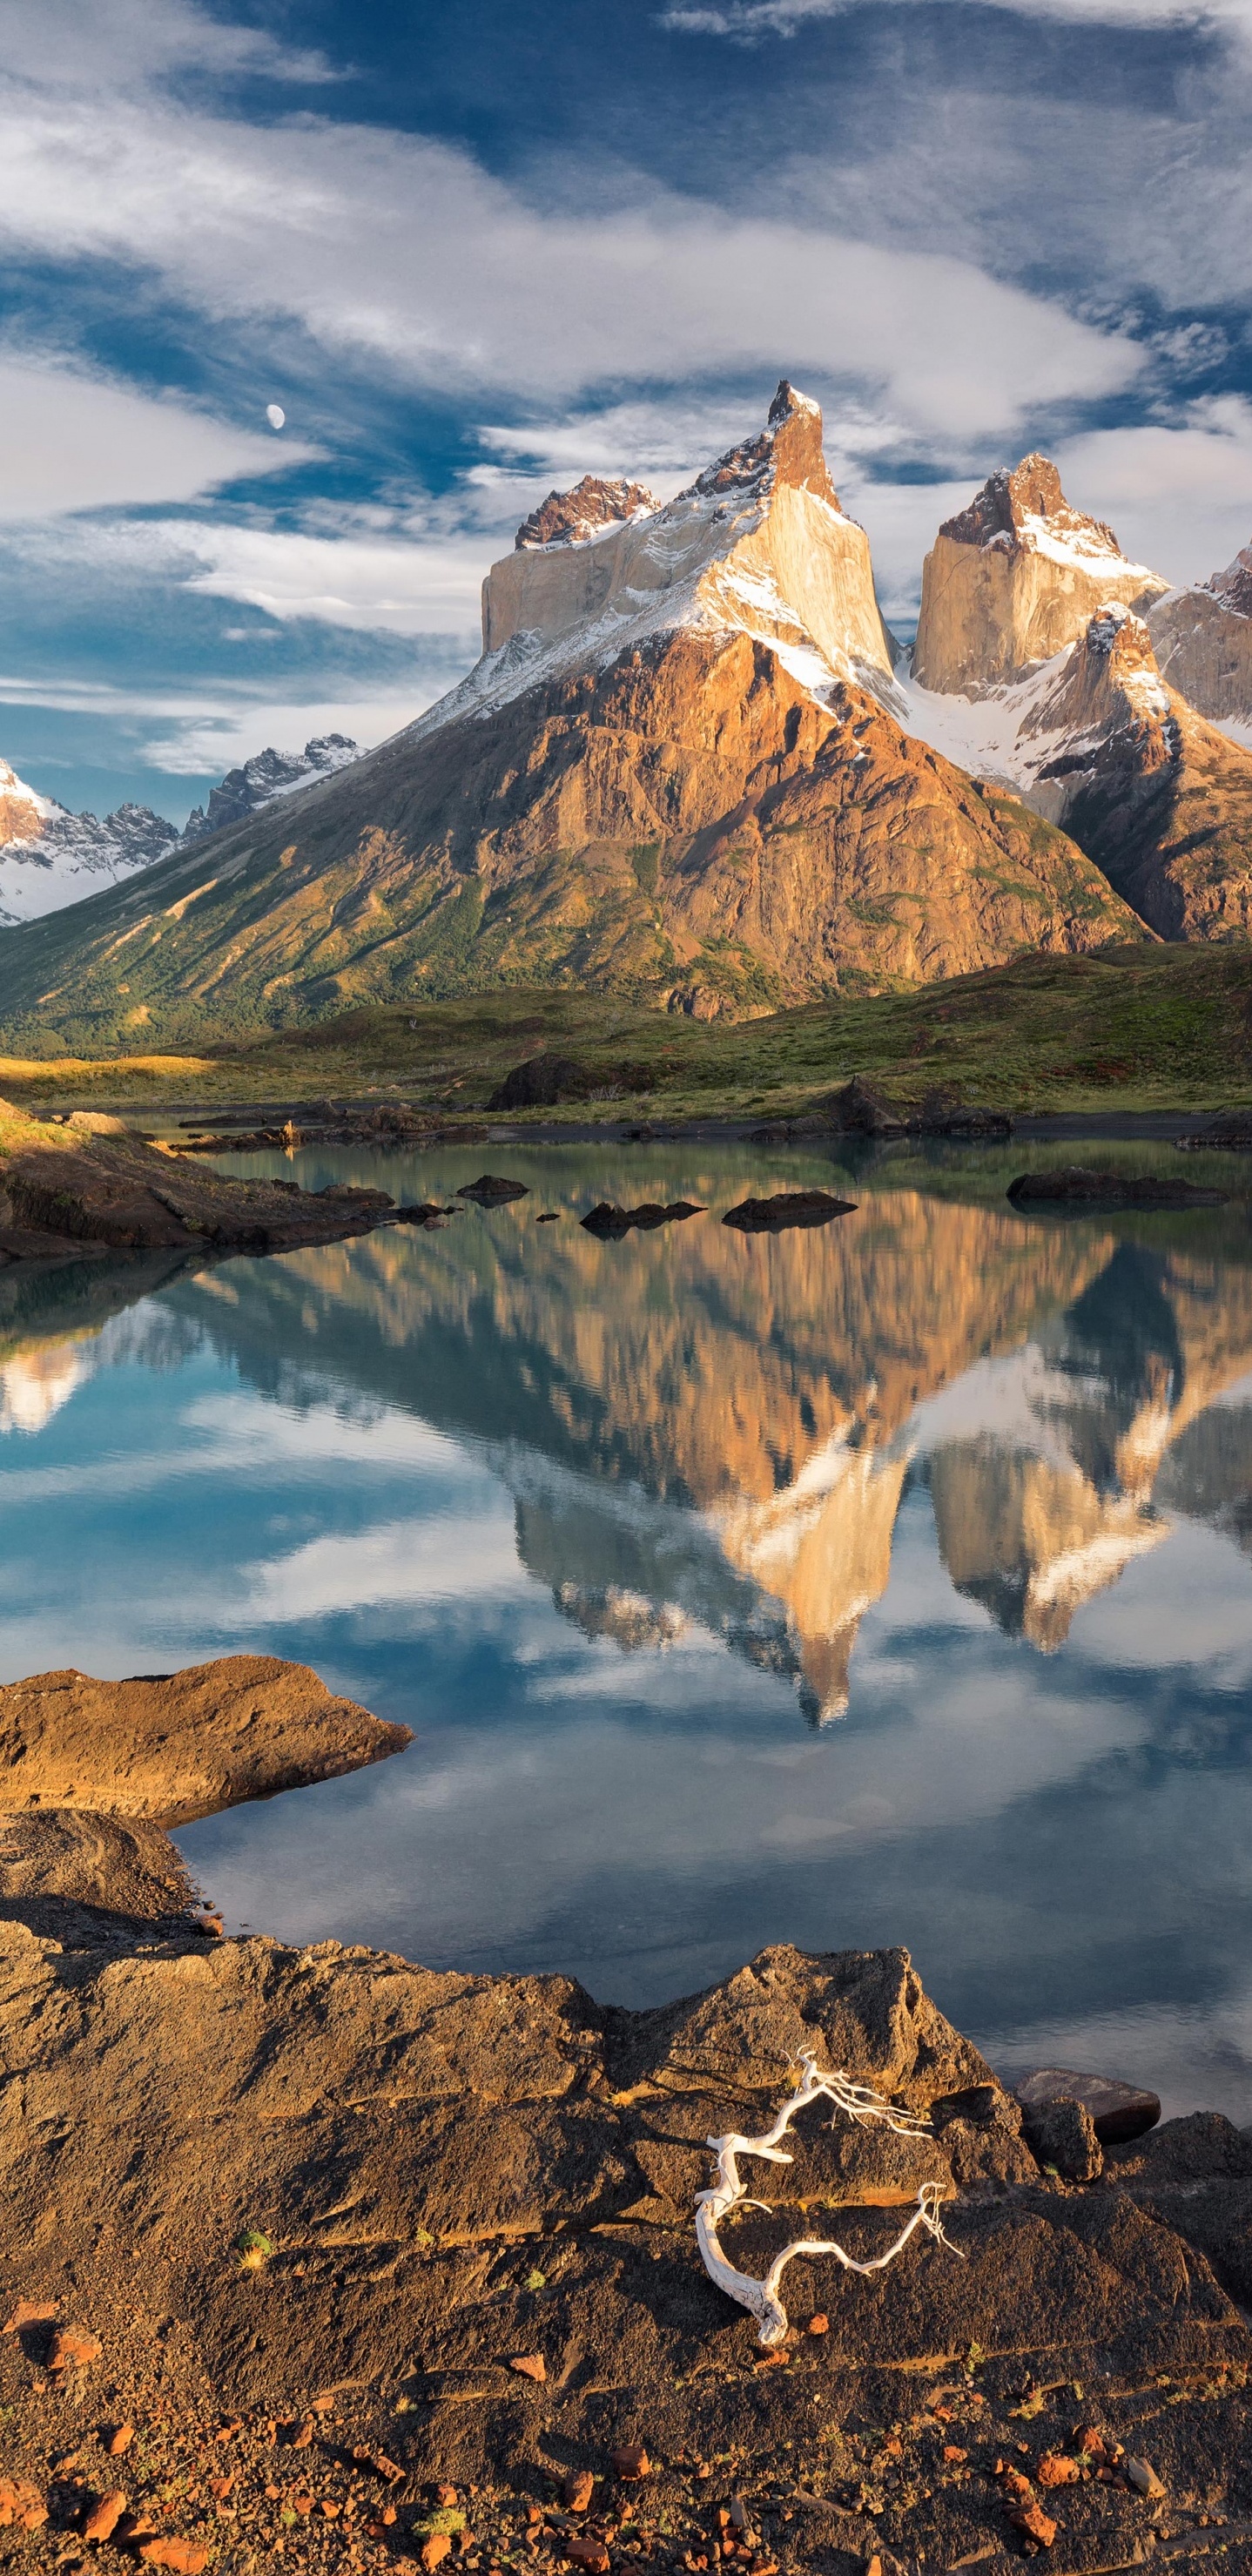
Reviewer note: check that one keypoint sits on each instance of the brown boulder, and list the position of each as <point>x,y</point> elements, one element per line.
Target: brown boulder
<point>179,1744</point>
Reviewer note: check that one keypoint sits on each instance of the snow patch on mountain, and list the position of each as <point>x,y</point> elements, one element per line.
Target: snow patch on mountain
<point>50,857</point>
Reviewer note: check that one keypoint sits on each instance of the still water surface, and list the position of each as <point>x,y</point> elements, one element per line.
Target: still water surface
<point>888,1582</point>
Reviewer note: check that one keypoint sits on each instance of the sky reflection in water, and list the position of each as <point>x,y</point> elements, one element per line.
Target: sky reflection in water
<point>883,1583</point>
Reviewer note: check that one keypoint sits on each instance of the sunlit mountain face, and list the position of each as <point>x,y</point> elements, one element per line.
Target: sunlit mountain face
<point>883,1581</point>
<point>363,286</point>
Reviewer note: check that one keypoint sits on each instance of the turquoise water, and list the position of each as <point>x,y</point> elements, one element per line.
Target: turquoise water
<point>886,1582</point>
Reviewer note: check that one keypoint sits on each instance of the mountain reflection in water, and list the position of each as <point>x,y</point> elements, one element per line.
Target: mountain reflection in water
<point>886,1581</point>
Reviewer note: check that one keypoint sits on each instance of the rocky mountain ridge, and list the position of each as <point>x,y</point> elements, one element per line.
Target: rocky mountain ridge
<point>50,857</point>
<point>680,768</point>
<point>1202,636</point>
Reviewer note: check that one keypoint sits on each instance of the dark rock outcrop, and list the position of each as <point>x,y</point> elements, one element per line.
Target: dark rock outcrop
<point>1118,2111</point>
<point>787,1207</point>
<point>611,1222</point>
<point>1071,1185</point>
<point>492,1190</point>
<point>570,518</point>
<point>114,1193</point>
<point>441,2177</point>
<point>541,1082</point>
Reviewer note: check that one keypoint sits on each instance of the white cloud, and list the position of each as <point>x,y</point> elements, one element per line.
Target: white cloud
<point>748,21</point>
<point>73,441</point>
<point>419,587</point>
<point>217,738</point>
<point>1179,499</point>
<point>110,44</point>
<point>404,254</point>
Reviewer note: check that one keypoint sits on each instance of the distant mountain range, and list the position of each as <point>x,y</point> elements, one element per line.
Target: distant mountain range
<point>50,857</point>
<point>694,765</point>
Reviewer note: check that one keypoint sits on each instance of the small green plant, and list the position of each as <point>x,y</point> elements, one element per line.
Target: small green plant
<point>253,2249</point>
<point>536,2280</point>
<point>448,2520</point>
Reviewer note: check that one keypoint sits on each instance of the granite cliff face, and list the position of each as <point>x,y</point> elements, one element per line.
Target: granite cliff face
<point>1156,795</point>
<point>677,769</point>
<point>1013,578</point>
<point>1202,638</point>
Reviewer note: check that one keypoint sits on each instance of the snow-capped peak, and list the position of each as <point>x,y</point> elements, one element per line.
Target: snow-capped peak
<point>756,544</point>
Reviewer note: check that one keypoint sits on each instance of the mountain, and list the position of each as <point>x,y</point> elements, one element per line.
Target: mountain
<point>1202,638</point>
<point>677,770</point>
<point>1157,796</point>
<point>1013,578</point>
<point>267,775</point>
<point>50,857</point>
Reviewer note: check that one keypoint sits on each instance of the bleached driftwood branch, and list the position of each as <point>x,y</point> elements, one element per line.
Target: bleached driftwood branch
<point>761,2297</point>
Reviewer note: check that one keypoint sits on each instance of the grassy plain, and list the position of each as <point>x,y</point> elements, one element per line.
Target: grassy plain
<point>1129,1028</point>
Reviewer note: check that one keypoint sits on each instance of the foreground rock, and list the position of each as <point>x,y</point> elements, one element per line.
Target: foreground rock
<point>365,2245</point>
<point>177,1745</point>
<point>1118,2112</point>
<point>104,1193</point>
<point>1070,1185</point>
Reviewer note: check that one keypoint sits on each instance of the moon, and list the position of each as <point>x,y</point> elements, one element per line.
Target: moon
<point>275,415</point>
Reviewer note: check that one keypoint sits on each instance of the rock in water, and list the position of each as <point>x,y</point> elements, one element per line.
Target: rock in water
<point>180,1744</point>
<point>1015,577</point>
<point>1118,2111</point>
<point>1070,1185</point>
<point>611,1222</point>
<point>787,1207</point>
<point>489,1190</point>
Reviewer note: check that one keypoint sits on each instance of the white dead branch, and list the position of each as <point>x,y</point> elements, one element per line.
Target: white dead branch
<point>861,2104</point>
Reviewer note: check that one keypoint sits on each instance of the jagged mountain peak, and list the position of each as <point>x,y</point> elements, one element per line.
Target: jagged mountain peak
<point>755,544</point>
<point>1024,509</point>
<point>269,773</point>
<point>1203,639</point>
<point>1234,586</point>
<point>787,451</point>
<point>572,518</point>
<point>1013,578</point>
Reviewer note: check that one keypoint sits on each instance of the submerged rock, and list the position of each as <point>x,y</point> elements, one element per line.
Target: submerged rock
<point>1070,1185</point>
<point>489,1190</point>
<point>787,1207</point>
<point>612,1222</point>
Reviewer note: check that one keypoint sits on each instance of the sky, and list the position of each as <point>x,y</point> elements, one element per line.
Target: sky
<point>471,250</point>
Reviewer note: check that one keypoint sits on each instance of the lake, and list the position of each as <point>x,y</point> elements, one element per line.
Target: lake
<point>882,1582</point>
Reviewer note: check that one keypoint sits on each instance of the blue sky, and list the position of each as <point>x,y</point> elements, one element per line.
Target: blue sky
<point>477,248</point>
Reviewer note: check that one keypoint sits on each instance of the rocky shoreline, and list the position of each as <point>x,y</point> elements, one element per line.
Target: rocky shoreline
<point>317,2255</point>
<point>69,1190</point>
